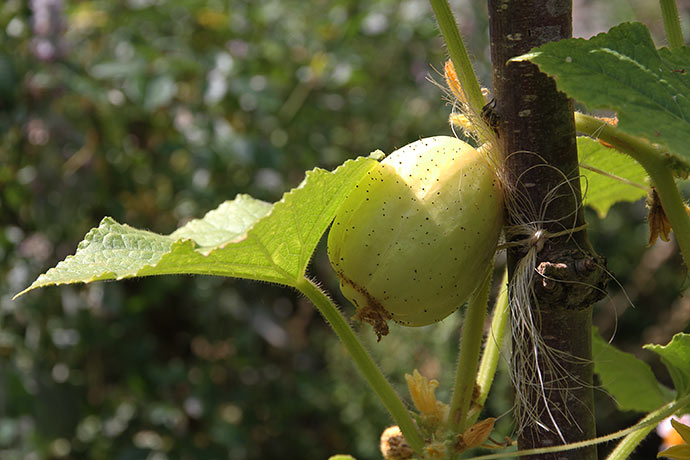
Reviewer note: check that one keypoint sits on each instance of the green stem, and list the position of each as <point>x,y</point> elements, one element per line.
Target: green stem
<point>674,34</point>
<point>650,421</point>
<point>366,365</point>
<point>493,345</point>
<point>631,441</point>
<point>655,161</point>
<point>458,54</point>
<point>468,359</point>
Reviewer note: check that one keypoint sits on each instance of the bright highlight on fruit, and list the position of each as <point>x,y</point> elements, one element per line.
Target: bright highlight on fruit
<point>416,236</point>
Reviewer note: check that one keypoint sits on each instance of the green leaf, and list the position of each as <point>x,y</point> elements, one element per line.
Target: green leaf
<point>597,165</point>
<point>622,70</point>
<point>676,358</point>
<point>629,380</point>
<point>341,457</point>
<point>682,429</point>
<point>681,452</point>
<point>228,222</point>
<point>245,238</point>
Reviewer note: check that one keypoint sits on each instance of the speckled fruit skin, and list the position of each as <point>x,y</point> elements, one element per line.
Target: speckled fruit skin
<point>416,236</point>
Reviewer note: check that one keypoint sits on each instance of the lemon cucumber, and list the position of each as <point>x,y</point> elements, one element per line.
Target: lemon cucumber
<point>415,237</point>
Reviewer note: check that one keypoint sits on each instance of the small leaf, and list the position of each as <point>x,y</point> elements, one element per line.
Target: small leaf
<point>622,70</point>
<point>341,457</point>
<point>682,429</point>
<point>244,238</point>
<point>676,358</point>
<point>676,453</point>
<point>629,380</point>
<point>602,191</point>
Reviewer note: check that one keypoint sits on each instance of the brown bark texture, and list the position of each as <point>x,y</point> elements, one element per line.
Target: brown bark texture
<point>536,131</point>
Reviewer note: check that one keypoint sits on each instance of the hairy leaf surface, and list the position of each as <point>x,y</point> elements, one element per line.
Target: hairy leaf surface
<point>245,238</point>
<point>622,70</point>
<point>676,357</point>
<point>602,191</point>
<point>629,380</point>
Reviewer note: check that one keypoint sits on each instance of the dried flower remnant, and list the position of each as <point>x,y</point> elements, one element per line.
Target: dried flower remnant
<point>613,121</point>
<point>393,444</point>
<point>659,225</point>
<point>473,124</point>
<point>475,436</point>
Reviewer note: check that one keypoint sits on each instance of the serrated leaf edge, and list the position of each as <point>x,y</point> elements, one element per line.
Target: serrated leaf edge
<point>177,243</point>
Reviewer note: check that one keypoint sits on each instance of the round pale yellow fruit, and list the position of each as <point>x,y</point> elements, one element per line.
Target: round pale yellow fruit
<point>416,236</point>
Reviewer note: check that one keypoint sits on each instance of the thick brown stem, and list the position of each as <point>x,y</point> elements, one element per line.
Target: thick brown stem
<point>537,133</point>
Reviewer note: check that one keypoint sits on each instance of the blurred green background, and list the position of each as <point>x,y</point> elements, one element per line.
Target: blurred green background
<point>154,112</point>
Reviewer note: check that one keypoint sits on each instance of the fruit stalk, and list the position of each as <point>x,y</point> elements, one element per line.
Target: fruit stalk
<point>458,54</point>
<point>468,359</point>
<point>655,161</point>
<point>494,344</point>
<point>366,365</point>
<point>674,33</point>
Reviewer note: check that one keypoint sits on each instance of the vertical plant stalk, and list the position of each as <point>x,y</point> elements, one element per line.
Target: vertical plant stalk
<point>494,344</point>
<point>492,349</point>
<point>674,33</point>
<point>537,136</point>
<point>366,365</point>
<point>468,358</point>
<point>654,161</point>
<point>458,54</point>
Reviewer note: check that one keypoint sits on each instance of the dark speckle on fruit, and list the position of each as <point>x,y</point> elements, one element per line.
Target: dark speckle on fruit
<point>416,259</point>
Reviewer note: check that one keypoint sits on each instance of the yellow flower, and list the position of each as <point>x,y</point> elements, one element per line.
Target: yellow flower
<point>460,121</point>
<point>435,450</point>
<point>682,451</point>
<point>453,82</point>
<point>423,393</point>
